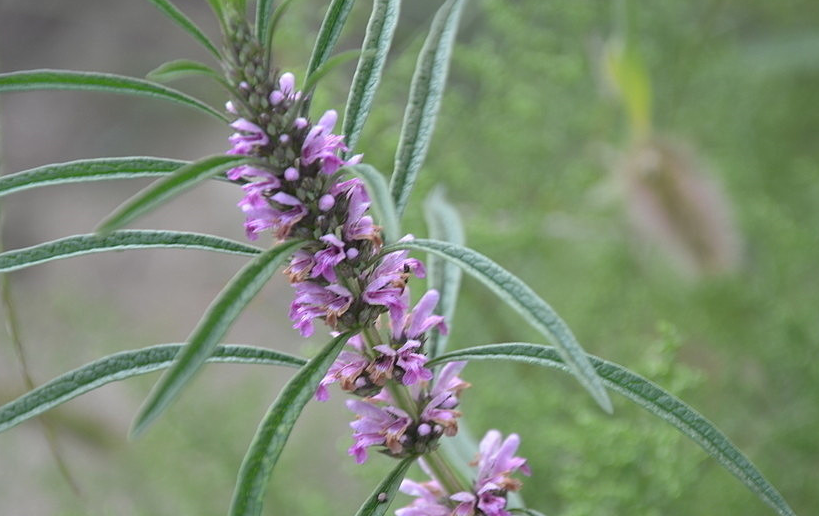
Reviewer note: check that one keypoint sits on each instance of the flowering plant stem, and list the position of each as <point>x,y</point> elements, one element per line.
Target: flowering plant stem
<point>445,474</point>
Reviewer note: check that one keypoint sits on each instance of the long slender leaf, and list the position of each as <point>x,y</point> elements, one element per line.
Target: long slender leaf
<point>275,428</point>
<point>88,170</point>
<point>94,81</point>
<point>328,66</point>
<point>121,366</point>
<point>272,23</point>
<point>426,90</point>
<point>328,35</point>
<point>376,46</point>
<point>181,68</point>
<point>380,499</point>
<point>264,11</point>
<point>525,301</point>
<point>211,328</point>
<point>647,395</point>
<point>444,224</point>
<point>165,189</point>
<point>216,7</point>
<point>382,202</point>
<point>179,18</point>
<point>78,245</point>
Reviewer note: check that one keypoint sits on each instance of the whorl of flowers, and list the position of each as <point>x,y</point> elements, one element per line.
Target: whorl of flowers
<point>496,462</point>
<point>297,189</point>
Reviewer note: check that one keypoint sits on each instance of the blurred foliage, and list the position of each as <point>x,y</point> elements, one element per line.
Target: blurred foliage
<point>527,145</point>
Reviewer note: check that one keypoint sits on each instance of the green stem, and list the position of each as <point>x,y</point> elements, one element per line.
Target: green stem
<point>445,474</point>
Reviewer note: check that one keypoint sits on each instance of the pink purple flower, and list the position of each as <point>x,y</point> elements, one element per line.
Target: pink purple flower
<point>375,426</point>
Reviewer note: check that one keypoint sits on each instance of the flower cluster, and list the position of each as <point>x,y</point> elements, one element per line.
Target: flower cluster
<point>381,423</point>
<point>496,462</point>
<point>295,191</point>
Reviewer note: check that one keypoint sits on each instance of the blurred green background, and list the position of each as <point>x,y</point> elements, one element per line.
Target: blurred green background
<point>686,249</point>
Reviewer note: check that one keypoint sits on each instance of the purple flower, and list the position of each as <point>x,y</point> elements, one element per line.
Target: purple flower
<point>259,215</point>
<point>284,220</point>
<point>496,461</point>
<point>328,258</point>
<point>347,370</point>
<point>321,145</point>
<point>427,503</point>
<point>386,284</point>
<point>376,426</point>
<point>410,363</point>
<point>248,137</point>
<point>314,301</point>
<point>300,266</point>
<point>414,324</point>
<point>287,90</point>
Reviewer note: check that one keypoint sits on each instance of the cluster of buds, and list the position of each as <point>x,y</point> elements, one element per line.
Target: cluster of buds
<point>496,462</point>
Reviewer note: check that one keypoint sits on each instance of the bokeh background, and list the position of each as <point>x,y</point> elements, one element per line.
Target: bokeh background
<point>653,172</point>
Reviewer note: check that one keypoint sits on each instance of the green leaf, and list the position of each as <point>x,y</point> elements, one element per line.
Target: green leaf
<point>380,499</point>
<point>275,428</point>
<point>119,367</point>
<point>649,396</point>
<point>326,67</point>
<point>375,48</point>
<point>328,35</point>
<point>179,18</point>
<point>88,170</point>
<point>426,90</point>
<point>216,7</point>
<point>264,10</point>
<point>382,202</point>
<point>444,224</point>
<point>211,328</point>
<point>182,68</point>
<point>78,245</point>
<point>525,301</point>
<point>272,23</point>
<point>165,189</point>
<point>93,81</point>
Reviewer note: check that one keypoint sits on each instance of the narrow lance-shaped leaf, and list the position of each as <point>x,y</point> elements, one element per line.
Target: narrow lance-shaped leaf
<point>179,18</point>
<point>525,301</point>
<point>264,11</point>
<point>216,7</point>
<point>275,428</point>
<point>379,501</point>
<point>326,67</point>
<point>121,366</point>
<point>377,41</point>
<point>88,170</point>
<point>328,35</point>
<point>444,224</point>
<point>219,317</point>
<point>30,80</point>
<point>181,68</point>
<point>647,395</point>
<point>78,245</point>
<point>274,22</point>
<point>169,187</point>
<point>382,202</point>
<point>426,90</point>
